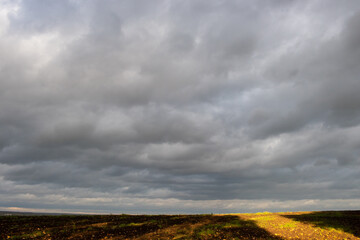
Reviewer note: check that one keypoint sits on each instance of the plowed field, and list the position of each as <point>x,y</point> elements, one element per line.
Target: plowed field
<point>296,225</point>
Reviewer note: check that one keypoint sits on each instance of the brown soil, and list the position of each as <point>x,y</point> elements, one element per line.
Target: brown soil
<point>177,232</point>
<point>276,226</point>
<point>286,228</point>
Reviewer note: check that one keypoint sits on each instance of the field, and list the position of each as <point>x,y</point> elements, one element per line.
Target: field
<point>294,225</point>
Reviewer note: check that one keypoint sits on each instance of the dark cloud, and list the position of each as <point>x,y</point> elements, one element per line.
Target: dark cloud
<point>140,106</point>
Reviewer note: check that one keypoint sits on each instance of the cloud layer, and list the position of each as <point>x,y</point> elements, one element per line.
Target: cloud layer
<point>179,106</point>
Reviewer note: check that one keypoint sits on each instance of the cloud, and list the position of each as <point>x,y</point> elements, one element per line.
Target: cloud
<point>132,106</point>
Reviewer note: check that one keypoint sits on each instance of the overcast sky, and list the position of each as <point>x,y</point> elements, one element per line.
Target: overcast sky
<point>179,106</point>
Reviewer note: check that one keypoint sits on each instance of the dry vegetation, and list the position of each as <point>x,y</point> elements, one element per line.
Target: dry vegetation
<point>300,225</point>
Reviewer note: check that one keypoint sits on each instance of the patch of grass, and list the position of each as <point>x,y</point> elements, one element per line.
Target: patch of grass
<point>122,225</point>
<point>265,218</point>
<point>288,225</point>
<point>34,234</point>
<point>136,224</point>
<point>182,231</point>
<point>206,231</point>
<point>237,223</point>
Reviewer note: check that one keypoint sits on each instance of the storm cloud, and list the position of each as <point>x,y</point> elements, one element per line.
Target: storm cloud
<point>179,106</point>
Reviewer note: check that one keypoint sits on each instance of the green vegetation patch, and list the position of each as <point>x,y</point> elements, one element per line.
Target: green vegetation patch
<point>288,225</point>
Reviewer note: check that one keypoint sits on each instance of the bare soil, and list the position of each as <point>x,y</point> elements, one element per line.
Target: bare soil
<point>277,226</point>
<point>306,225</point>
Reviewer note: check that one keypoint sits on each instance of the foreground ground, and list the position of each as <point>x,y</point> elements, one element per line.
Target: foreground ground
<point>299,225</point>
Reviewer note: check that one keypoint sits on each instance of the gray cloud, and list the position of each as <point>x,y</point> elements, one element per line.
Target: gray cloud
<point>139,106</point>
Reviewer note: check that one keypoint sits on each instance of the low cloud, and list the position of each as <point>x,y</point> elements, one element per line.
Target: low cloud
<point>181,106</point>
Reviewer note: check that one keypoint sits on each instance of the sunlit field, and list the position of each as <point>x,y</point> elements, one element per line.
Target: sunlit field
<point>287,225</point>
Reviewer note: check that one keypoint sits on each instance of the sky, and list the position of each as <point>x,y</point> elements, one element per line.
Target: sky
<point>179,106</point>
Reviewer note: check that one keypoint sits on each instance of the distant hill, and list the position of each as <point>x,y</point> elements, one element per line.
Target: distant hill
<point>8,213</point>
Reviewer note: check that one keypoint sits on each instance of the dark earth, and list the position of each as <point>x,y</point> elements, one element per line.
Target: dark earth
<point>297,225</point>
